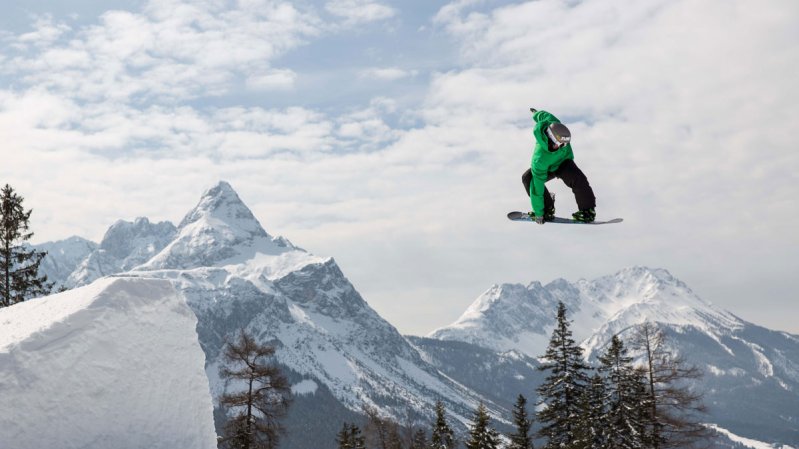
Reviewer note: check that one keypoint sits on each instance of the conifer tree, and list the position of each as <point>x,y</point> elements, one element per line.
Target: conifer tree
<point>590,432</point>
<point>442,437</point>
<point>350,437</point>
<point>624,384</point>
<point>19,267</point>
<point>673,419</point>
<point>259,408</point>
<point>481,434</point>
<point>521,437</point>
<point>561,391</point>
<point>419,440</point>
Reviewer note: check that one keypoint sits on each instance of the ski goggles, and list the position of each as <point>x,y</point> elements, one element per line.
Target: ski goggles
<point>559,139</point>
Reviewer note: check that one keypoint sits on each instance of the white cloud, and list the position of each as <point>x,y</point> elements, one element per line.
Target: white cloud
<point>388,73</point>
<point>45,32</point>
<point>173,49</point>
<point>360,11</point>
<point>274,80</point>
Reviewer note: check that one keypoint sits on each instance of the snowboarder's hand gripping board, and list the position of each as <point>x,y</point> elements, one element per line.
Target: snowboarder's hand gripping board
<point>524,216</point>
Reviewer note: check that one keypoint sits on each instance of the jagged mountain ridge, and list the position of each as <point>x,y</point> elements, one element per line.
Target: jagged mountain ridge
<point>517,317</point>
<point>752,373</point>
<point>76,262</point>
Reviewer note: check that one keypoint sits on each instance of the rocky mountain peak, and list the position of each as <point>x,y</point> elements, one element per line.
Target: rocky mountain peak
<point>221,205</point>
<point>220,230</point>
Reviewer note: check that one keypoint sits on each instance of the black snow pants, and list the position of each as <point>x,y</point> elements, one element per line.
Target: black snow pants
<point>573,177</point>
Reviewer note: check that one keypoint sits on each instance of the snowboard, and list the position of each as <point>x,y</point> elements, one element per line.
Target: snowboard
<point>522,216</point>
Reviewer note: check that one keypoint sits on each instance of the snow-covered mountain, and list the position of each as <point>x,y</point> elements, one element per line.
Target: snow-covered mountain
<point>124,246</point>
<point>340,354</point>
<point>114,364</point>
<point>752,373</point>
<point>219,231</point>
<point>236,275</point>
<point>63,257</point>
<point>517,317</point>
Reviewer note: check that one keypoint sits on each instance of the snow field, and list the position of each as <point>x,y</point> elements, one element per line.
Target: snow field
<point>114,364</point>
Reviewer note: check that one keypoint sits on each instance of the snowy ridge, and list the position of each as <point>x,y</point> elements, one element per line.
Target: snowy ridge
<point>515,317</point>
<point>65,384</point>
<point>747,442</point>
<point>125,245</point>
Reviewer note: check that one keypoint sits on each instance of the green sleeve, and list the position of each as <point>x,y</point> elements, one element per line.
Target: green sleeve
<point>539,166</point>
<point>542,120</point>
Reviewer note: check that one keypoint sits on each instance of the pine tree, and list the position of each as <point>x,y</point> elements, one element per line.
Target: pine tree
<point>590,432</point>
<point>561,391</point>
<point>481,434</point>
<point>350,437</point>
<point>266,398</point>
<point>624,386</point>
<point>521,438</point>
<point>419,440</point>
<point>443,437</point>
<point>19,267</point>
<point>673,408</point>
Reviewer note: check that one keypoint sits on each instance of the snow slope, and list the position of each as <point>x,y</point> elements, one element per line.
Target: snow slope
<point>113,364</point>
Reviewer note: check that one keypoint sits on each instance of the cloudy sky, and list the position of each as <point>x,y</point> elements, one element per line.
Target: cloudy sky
<point>392,135</point>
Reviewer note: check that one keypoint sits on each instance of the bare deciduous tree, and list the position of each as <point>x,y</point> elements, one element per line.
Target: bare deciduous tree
<point>674,407</point>
<point>263,401</point>
<point>381,432</point>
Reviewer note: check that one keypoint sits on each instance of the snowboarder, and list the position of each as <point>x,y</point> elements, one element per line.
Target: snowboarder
<point>553,158</point>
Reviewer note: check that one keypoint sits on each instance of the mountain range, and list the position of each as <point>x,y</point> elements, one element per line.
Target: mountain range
<point>341,355</point>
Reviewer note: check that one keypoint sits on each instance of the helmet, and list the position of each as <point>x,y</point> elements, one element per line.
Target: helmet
<point>558,134</point>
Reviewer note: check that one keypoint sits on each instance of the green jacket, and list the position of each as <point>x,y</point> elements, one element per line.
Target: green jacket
<point>544,161</point>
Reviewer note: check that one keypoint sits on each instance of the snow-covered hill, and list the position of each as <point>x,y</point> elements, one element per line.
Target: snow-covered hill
<point>114,364</point>
<point>752,373</point>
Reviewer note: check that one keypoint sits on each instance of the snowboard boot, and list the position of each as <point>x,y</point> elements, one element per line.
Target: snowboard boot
<point>585,215</point>
<point>549,213</point>
<point>549,209</point>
